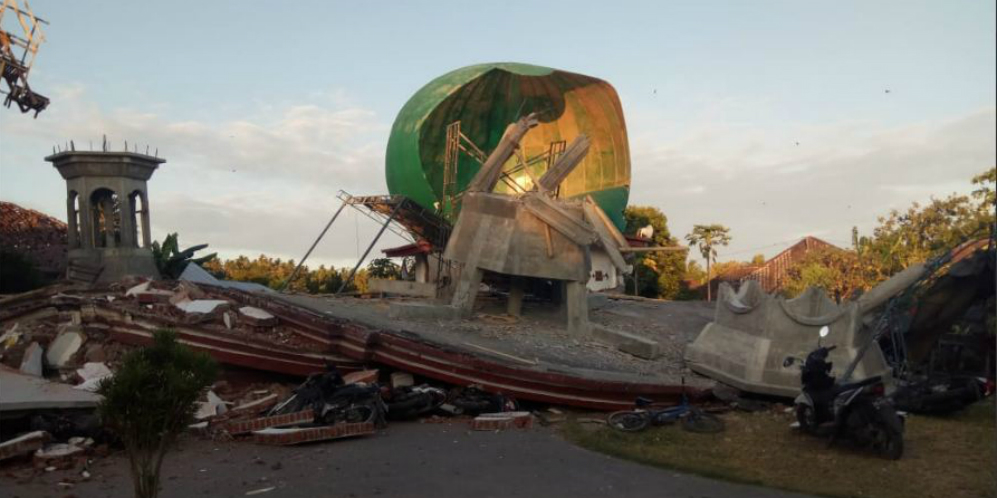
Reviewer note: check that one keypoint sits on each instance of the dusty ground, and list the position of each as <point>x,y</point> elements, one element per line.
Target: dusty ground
<point>539,335</point>
<point>406,460</point>
<point>945,457</point>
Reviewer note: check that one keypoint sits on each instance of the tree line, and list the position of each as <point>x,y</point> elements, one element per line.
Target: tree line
<point>273,272</point>
<point>901,238</point>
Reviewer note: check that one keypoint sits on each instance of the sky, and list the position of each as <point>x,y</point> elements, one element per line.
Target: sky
<point>778,119</point>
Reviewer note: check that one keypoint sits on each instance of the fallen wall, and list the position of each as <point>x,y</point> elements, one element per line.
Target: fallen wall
<point>753,332</point>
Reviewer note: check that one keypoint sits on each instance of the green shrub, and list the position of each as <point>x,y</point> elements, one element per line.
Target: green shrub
<point>150,401</point>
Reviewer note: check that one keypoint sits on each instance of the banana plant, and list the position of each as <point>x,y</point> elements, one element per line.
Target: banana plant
<point>171,261</point>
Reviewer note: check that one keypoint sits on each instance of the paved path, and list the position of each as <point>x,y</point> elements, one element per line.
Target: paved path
<point>406,460</point>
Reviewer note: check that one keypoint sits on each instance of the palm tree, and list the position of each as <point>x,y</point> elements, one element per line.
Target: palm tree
<point>707,238</point>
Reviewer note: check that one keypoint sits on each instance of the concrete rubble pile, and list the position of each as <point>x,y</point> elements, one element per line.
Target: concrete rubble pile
<point>754,332</point>
<point>891,328</point>
<point>58,343</point>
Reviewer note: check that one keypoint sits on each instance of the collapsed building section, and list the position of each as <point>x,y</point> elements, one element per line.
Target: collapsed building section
<point>891,330</point>
<point>296,337</point>
<point>753,332</point>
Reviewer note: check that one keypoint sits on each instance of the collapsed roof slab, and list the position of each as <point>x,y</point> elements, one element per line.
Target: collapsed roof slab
<point>24,393</point>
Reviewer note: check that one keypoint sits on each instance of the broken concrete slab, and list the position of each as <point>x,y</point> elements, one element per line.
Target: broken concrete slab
<point>62,349</point>
<point>212,406</point>
<point>365,376</point>
<point>201,305</point>
<point>31,363</point>
<point>421,311</point>
<point>257,317</point>
<point>25,393</point>
<point>137,289</point>
<point>298,435</point>
<point>628,343</point>
<point>23,445</point>
<point>57,451</point>
<point>195,274</point>
<point>753,332</point>
<point>256,406</point>
<point>93,374</point>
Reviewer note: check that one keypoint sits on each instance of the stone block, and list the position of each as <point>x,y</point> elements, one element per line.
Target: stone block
<point>31,364</point>
<point>62,349</point>
<point>628,343</point>
<point>257,317</point>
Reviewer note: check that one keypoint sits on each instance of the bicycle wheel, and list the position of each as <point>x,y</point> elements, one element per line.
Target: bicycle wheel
<point>702,422</point>
<point>628,421</point>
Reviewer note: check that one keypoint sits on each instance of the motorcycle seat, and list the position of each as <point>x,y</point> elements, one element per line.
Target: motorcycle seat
<point>855,385</point>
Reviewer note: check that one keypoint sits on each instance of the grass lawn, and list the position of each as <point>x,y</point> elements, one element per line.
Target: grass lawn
<point>944,457</point>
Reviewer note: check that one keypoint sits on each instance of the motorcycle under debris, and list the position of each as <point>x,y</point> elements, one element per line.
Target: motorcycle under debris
<point>859,411</point>
<point>334,401</point>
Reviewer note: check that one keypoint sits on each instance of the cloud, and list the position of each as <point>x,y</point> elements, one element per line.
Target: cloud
<point>265,183</point>
<point>771,184</point>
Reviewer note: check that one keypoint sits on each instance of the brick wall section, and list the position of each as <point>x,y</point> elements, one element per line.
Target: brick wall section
<point>502,421</point>
<point>256,424</point>
<point>310,434</point>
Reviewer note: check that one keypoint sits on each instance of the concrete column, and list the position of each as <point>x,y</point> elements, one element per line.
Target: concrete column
<point>127,221</point>
<point>576,300</point>
<point>467,289</point>
<point>517,289</point>
<point>86,221</point>
<point>146,226</point>
<point>72,238</point>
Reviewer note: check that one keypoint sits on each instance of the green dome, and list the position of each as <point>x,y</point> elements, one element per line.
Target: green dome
<point>485,99</point>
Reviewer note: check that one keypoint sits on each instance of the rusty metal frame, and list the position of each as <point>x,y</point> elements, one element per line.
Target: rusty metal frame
<point>14,72</point>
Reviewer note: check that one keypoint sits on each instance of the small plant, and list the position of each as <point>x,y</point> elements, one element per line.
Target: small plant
<point>384,268</point>
<point>171,261</point>
<point>150,401</point>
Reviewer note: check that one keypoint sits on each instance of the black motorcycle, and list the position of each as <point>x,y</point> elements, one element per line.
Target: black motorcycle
<point>859,411</point>
<point>411,402</point>
<point>333,401</point>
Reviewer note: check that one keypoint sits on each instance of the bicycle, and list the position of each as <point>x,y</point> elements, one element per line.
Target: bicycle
<point>644,415</point>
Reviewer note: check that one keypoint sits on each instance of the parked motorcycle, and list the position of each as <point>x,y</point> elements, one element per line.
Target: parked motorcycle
<point>859,411</point>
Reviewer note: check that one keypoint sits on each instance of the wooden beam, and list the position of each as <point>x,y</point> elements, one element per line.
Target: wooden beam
<point>554,215</point>
<point>565,164</point>
<point>491,171</point>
